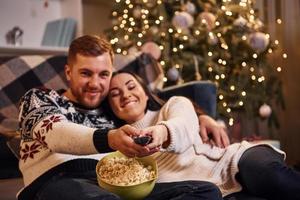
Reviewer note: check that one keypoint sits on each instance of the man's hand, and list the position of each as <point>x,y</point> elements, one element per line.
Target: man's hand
<point>121,139</point>
<point>209,126</point>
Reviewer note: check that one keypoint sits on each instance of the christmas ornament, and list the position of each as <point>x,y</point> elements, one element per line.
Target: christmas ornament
<point>154,30</point>
<point>265,110</point>
<point>240,22</point>
<point>182,20</point>
<point>173,74</point>
<point>151,48</point>
<point>208,18</point>
<point>189,7</point>
<point>258,41</point>
<point>137,12</point>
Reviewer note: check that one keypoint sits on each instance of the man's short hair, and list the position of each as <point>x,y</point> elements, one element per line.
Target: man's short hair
<point>89,45</point>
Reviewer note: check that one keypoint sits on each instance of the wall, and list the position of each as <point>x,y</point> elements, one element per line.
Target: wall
<point>96,16</point>
<point>290,130</point>
<point>32,16</point>
<point>29,15</point>
<point>288,35</point>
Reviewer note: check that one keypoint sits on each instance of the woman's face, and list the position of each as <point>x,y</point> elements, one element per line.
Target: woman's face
<point>127,98</point>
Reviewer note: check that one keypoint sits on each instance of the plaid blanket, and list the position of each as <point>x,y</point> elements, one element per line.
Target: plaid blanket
<point>18,75</point>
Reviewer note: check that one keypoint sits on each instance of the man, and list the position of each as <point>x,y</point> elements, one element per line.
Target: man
<point>65,133</point>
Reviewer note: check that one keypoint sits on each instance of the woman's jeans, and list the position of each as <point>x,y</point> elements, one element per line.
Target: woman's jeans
<point>85,187</point>
<point>263,173</point>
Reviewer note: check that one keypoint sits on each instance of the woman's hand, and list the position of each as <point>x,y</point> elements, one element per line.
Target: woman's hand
<point>121,139</point>
<point>160,136</point>
<point>208,126</point>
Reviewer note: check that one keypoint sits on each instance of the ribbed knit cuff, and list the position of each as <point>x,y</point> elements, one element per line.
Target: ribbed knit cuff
<point>100,140</point>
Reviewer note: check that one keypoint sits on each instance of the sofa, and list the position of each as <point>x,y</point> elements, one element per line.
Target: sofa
<point>21,73</point>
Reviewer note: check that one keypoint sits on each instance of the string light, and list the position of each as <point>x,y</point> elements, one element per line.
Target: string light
<point>278,21</point>
<point>279,69</point>
<point>231,121</point>
<point>284,56</point>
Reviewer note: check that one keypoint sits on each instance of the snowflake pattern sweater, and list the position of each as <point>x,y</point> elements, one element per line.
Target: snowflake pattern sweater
<point>55,131</point>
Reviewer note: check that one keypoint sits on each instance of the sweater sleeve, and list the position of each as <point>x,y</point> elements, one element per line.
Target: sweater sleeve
<point>45,126</point>
<point>179,116</point>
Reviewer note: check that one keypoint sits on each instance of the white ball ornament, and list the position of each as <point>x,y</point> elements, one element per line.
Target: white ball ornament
<point>152,48</point>
<point>190,8</point>
<point>240,22</point>
<point>173,74</point>
<point>182,20</point>
<point>265,110</point>
<point>258,41</point>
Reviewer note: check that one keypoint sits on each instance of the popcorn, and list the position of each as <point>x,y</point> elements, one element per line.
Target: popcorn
<point>125,171</point>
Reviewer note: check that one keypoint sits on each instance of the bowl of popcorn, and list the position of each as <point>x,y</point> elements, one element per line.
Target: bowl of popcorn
<point>129,178</point>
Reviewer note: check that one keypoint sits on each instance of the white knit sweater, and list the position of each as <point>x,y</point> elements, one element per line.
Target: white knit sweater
<point>187,158</point>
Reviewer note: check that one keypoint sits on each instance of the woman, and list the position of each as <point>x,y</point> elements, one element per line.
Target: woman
<point>257,170</point>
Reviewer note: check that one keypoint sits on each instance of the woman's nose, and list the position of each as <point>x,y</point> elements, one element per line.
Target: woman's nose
<point>126,94</point>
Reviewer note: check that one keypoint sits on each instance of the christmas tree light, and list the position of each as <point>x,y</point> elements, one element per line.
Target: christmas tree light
<point>222,41</point>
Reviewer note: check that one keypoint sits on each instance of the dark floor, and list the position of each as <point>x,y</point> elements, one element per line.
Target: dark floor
<point>9,188</point>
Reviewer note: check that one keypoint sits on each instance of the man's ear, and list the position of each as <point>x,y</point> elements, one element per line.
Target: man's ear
<point>68,72</point>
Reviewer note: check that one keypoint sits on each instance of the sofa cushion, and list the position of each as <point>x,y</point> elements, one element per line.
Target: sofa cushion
<point>21,74</point>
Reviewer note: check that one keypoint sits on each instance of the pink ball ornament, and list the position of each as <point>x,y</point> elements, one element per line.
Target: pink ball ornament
<point>258,41</point>
<point>182,20</point>
<point>152,48</point>
<point>265,110</point>
<point>208,18</point>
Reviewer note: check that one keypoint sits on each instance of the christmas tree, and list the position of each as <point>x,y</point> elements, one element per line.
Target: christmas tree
<point>222,41</point>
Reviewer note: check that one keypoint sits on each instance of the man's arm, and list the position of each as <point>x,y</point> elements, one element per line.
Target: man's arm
<point>212,132</point>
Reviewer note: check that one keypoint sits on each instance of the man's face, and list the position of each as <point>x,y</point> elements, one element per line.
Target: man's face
<point>89,79</point>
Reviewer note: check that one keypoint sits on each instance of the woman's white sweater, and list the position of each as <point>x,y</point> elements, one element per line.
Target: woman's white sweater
<point>187,158</point>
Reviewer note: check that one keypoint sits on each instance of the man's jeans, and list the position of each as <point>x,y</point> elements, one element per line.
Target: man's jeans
<point>85,187</point>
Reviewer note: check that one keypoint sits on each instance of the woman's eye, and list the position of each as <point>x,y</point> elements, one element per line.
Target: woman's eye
<point>131,86</point>
<point>114,93</point>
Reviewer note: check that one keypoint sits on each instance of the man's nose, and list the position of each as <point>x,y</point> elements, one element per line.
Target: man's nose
<point>94,81</point>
